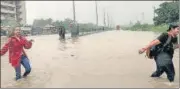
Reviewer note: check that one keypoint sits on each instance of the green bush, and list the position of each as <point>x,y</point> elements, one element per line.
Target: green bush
<point>160,28</point>
<point>146,27</point>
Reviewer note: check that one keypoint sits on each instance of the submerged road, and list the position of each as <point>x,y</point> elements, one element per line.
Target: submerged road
<point>103,60</point>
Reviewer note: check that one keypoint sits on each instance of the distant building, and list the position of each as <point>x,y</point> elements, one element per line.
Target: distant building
<point>15,10</point>
<point>37,31</point>
<point>49,29</point>
<point>27,30</point>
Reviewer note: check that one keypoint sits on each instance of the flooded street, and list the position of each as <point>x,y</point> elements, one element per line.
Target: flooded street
<point>103,60</point>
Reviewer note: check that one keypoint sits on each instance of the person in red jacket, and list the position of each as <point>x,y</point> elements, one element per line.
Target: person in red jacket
<point>17,56</point>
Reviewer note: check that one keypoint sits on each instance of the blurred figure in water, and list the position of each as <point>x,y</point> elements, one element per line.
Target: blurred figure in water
<point>62,33</point>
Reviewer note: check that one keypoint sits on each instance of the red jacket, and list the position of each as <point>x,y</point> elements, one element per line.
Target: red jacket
<point>16,50</point>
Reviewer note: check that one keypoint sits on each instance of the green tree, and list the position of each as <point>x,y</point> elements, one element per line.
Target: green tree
<point>168,12</point>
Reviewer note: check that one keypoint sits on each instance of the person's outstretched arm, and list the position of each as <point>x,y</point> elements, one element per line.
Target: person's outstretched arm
<point>27,44</point>
<point>5,48</point>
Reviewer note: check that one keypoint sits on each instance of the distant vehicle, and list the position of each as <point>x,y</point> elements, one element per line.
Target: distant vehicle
<point>117,27</point>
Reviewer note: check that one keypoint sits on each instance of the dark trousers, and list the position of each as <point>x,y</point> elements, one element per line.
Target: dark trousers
<point>25,62</point>
<point>161,67</point>
<point>62,36</point>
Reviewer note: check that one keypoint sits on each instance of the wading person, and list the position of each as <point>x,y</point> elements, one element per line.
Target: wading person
<point>62,32</point>
<point>17,56</point>
<point>164,47</point>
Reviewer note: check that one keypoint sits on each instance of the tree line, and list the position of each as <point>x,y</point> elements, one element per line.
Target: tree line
<point>66,23</point>
<point>167,13</point>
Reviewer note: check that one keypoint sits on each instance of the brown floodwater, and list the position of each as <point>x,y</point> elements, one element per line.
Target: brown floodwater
<point>103,60</point>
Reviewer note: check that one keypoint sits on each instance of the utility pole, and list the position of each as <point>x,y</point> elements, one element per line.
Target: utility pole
<point>96,14</point>
<point>74,29</point>
<point>154,8</point>
<point>74,12</point>
<point>104,18</point>
<point>111,22</point>
<point>107,20</point>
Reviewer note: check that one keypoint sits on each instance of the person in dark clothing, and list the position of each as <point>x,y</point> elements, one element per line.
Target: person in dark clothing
<point>62,32</point>
<point>164,58</point>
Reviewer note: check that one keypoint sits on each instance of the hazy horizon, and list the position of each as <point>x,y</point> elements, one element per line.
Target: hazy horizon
<point>121,12</point>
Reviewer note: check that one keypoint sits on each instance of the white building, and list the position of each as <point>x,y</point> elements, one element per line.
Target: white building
<point>15,10</point>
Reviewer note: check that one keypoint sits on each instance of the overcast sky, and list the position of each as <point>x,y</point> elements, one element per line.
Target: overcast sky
<point>120,12</point>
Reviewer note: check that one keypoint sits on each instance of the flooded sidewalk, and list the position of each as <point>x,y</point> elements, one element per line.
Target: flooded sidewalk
<point>103,60</point>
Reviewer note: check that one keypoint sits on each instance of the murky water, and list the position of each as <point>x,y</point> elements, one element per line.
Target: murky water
<point>107,59</point>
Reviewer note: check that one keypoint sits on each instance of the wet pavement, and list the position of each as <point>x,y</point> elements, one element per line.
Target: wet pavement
<point>102,60</point>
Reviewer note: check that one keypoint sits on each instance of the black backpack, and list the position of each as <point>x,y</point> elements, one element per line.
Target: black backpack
<point>153,51</point>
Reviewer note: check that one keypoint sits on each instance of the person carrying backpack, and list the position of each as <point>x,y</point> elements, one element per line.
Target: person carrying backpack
<point>162,50</point>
